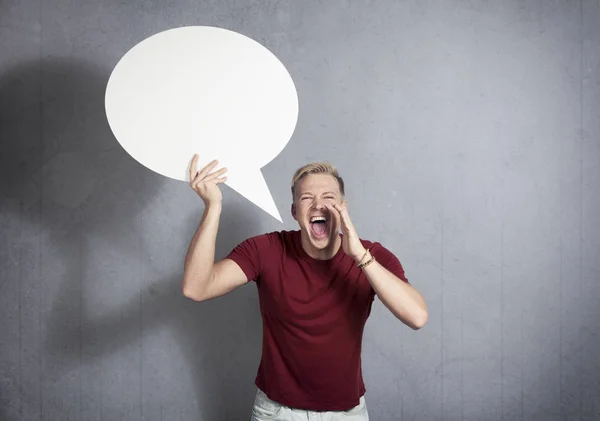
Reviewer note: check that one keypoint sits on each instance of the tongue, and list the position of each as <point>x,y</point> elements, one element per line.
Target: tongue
<point>319,228</point>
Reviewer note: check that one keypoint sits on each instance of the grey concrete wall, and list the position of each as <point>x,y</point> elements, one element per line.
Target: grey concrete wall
<point>469,136</point>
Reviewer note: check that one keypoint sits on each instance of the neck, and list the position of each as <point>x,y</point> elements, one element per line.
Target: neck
<point>321,254</point>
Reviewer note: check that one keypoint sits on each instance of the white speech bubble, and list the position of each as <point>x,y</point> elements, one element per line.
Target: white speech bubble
<point>205,90</point>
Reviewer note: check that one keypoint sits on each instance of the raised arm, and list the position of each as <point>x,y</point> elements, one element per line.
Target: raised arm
<point>204,279</point>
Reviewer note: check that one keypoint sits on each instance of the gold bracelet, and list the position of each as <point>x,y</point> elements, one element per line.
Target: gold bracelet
<point>364,265</point>
<point>364,255</point>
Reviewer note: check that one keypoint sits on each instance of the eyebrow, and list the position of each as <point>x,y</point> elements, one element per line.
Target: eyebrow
<point>310,194</point>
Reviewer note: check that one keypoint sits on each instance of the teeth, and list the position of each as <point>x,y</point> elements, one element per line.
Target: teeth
<point>318,218</point>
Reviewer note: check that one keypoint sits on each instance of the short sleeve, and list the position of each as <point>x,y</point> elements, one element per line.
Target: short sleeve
<point>247,256</point>
<point>252,254</point>
<point>388,260</point>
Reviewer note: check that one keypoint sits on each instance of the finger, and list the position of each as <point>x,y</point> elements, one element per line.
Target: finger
<point>215,174</point>
<point>202,175</point>
<point>340,211</point>
<point>212,164</point>
<point>193,170</point>
<point>197,179</point>
<point>343,211</point>
<point>220,180</point>
<point>347,220</point>
<point>338,215</point>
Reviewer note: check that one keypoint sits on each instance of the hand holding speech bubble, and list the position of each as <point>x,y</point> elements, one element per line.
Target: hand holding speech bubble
<point>204,90</point>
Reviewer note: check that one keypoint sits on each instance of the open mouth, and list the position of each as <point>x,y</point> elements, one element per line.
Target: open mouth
<point>319,226</point>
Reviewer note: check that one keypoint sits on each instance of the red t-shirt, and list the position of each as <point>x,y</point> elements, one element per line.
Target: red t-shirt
<point>313,313</point>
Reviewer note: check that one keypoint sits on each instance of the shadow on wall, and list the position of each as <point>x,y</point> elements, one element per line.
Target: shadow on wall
<point>66,178</point>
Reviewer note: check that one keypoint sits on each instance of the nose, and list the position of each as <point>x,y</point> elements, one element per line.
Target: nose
<point>320,204</point>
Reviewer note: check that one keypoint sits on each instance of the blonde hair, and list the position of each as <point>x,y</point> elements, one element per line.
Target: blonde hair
<point>316,168</point>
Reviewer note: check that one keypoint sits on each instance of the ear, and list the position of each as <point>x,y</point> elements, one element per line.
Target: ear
<point>294,211</point>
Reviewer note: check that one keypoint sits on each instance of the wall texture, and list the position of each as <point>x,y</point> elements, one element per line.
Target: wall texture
<point>468,133</point>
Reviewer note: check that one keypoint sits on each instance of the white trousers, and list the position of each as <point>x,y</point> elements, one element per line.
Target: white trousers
<point>266,409</point>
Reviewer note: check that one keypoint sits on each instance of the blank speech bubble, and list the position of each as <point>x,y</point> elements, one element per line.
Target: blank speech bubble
<point>205,90</point>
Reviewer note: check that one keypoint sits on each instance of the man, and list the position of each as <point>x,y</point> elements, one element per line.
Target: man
<point>315,288</point>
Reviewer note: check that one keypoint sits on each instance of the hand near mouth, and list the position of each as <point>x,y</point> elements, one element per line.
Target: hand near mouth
<point>350,240</point>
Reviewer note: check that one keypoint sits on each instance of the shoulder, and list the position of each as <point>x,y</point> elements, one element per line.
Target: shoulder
<point>270,239</point>
<point>254,251</point>
<point>386,257</point>
<point>375,247</point>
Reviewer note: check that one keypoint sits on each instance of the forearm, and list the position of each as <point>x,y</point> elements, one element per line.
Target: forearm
<point>401,298</point>
<point>200,257</point>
